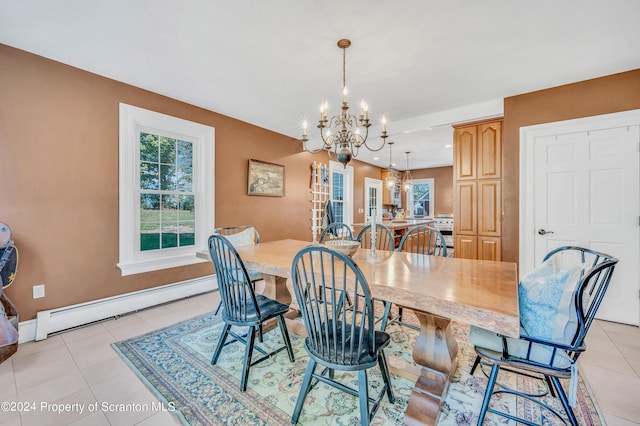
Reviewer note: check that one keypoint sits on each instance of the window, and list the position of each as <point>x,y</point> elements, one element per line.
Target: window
<point>166,190</point>
<point>167,201</point>
<point>341,192</point>
<point>420,200</point>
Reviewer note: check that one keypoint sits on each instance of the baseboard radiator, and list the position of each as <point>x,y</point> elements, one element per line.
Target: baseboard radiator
<point>67,317</point>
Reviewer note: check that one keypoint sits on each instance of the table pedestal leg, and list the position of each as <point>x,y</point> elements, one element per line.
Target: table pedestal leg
<point>276,288</point>
<point>436,350</point>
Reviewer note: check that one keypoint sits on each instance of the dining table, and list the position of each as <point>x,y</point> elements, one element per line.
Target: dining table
<point>439,290</point>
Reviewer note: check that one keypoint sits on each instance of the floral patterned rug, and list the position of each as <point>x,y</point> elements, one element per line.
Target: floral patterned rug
<point>174,362</point>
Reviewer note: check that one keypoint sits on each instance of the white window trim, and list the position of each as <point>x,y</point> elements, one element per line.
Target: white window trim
<point>348,189</point>
<point>432,197</point>
<point>132,119</point>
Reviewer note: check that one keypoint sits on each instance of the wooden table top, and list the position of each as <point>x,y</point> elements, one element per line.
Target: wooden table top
<point>478,292</point>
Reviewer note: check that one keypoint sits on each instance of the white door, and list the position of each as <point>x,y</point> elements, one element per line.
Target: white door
<point>585,191</point>
<point>372,198</point>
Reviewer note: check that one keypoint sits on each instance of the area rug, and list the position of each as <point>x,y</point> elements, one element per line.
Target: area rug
<point>174,363</point>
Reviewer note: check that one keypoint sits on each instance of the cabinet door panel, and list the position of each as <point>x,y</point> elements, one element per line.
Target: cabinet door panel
<point>465,200</point>
<point>465,152</point>
<point>489,248</point>
<point>490,150</point>
<point>489,208</point>
<point>466,247</point>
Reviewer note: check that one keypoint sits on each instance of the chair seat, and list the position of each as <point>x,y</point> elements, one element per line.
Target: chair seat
<point>489,345</point>
<point>368,355</point>
<point>269,308</point>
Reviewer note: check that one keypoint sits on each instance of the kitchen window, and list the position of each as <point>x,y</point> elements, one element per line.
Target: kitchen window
<point>421,198</point>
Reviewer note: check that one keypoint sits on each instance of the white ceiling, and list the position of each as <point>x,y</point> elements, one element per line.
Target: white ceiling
<point>422,63</point>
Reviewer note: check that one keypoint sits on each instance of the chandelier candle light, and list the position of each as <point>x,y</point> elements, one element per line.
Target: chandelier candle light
<point>343,135</point>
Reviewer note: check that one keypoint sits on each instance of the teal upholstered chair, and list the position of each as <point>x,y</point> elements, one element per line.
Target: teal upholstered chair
<point>558,302</point>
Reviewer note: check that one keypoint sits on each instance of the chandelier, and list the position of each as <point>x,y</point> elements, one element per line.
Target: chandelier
<point>392,176</point>
<point>344,134</point>
<point>407,180</point>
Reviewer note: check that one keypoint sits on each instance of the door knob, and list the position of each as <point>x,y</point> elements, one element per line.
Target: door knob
<point>543,232</point>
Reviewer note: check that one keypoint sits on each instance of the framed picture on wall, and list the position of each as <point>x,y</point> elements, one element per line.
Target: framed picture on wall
<point>265,179</point>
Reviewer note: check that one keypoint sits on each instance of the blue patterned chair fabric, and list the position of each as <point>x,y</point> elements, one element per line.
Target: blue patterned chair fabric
<point>558,302</point>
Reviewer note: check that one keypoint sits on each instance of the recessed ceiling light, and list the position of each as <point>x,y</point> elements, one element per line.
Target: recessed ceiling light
<point>448,146</point>
<point>376,158</point>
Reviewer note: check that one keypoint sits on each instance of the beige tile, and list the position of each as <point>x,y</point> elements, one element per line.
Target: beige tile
<point>6,370</point>
<point>117,386</point>
<point>100,339</point>
<point>10,419</point>
<point>95,419</point>
<point>635,364</point>
<point>62,411</point>
<point>132,409</point>
<point>89,357</point>
<point>54,389</point>
<point>602,344</point>
<point>41,359</point>
<point>81,333</point>
<point>630,351</point>
<point>29,348</point>
<point>122,321</point>
<point>133,329</point>
<point>596,329</point>
<point>8,392</point>
<point>616,326</point>
<point>612,362</point>
<point>32,375</point>
<point>617,421</point>
<point>616,394</point>
<point>164,318</point>
<point>630,337</point>
<point>186,312</point>
<point>104,370</point>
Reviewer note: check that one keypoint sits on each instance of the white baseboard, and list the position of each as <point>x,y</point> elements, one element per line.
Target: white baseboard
<point>67,317</point>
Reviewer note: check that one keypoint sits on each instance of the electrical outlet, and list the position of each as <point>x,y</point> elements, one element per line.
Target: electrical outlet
<point>38,291</point>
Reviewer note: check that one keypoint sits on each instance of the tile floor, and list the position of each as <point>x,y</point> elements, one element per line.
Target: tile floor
<point>79,367</point>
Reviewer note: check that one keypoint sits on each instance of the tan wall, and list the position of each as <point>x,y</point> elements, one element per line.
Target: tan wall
<point>443,182</point>
<point>59,188</point>
<point>614,93</point>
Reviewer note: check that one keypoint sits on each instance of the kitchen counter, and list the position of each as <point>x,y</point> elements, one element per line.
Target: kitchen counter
<point>398,224</point>
<point>398,227</point>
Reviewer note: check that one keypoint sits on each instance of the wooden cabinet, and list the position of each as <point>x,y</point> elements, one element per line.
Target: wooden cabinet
<point>477,171</point>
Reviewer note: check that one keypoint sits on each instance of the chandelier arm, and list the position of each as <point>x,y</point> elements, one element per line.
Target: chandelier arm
<point>312,151</point>
<point>375,149</point>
